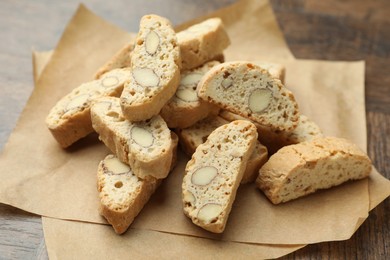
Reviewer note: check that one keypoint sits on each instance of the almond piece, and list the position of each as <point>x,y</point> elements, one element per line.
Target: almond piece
<point>146,77</point>
<point>187,95</point>
<point>141,136</point>
<point>115,166</point>
<point>204,175</point>
<point>152,41</point>
<point>110,81</point>
<point>259,100</point>
<point>191,79</point>
<point>209,212</point>
<point>189,198</point>
<point>226,83</point>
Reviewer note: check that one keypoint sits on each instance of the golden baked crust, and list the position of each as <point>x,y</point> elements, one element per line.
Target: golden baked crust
<point>202,42</point>
<point>300,169</point>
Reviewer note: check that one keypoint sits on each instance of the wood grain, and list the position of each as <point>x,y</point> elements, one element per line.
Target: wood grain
<point>330,30</point>
<point>350,30</point>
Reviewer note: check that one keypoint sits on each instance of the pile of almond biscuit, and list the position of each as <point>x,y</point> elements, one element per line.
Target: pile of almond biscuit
<point>236,120</point>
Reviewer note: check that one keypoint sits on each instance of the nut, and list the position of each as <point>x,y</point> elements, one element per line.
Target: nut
<point>141,136</point>
<point>115,166</point>
<point>204,175</point>
<point>187,94</point>
<point>188,197</point>
<point>152,41</point>
<point>259,100</point>
<point>78,101</point>
<point>226,83</point>
<point>191,79</point>
<point>110,81</point>
<point>209,212</point>
<point>146,77</point>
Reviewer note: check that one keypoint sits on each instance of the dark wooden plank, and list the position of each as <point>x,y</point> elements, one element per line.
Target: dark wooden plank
<point>350,30</point>
<point>331,30</point>
<point>21,235</point>
<point>342,30</point>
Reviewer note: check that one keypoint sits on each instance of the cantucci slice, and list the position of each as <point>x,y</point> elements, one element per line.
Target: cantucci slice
<point>122,194</point>
<point>146,146</point>
<point>191,137</point>
<point>185,108</point>
<point>250,91</point>
<point>155,65</point>
<point>70,120</point>
<point>120,60</point>
<point>195,135</point>
<point>202,42</point>
<point>214,173</point>
<point>300,169</point>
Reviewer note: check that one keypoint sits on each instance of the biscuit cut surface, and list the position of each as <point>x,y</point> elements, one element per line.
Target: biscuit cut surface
<point>298,170</point>
<point>70,120</point>
<point>120,60</point>
<point>146,146</point>
<point>214,173</point>
<point>122,194</point>
<point>250,91</point>
<point>185,108</point>
<point>202,42</point>
<point>155,65</point>
<point>192,137</point>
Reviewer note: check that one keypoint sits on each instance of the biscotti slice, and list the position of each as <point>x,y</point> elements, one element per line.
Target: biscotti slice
<point>278,71</point>
<point>185,108</point>
<point>306,130</point>
<point>300,169</point>
<point>155,64</point>
<point>192,137</point>
<point>122,194</point>
<point>258,158</point>
<point>146,146</point>
<point>214,173</point>
<point>70,120</point>
<point>250,91</point>
<point>120,60</point>
<point>202,42</point>
<point>189,41</point>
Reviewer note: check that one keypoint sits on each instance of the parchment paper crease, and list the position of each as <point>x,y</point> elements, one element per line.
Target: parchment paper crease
<point>61,184</point>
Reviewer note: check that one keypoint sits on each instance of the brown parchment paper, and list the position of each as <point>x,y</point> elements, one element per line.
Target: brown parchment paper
<point>61,184</point>
<point>64,238</point>
<point>76,240</point>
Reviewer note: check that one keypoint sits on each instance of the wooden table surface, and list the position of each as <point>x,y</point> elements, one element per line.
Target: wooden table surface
<point>329,30</point>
